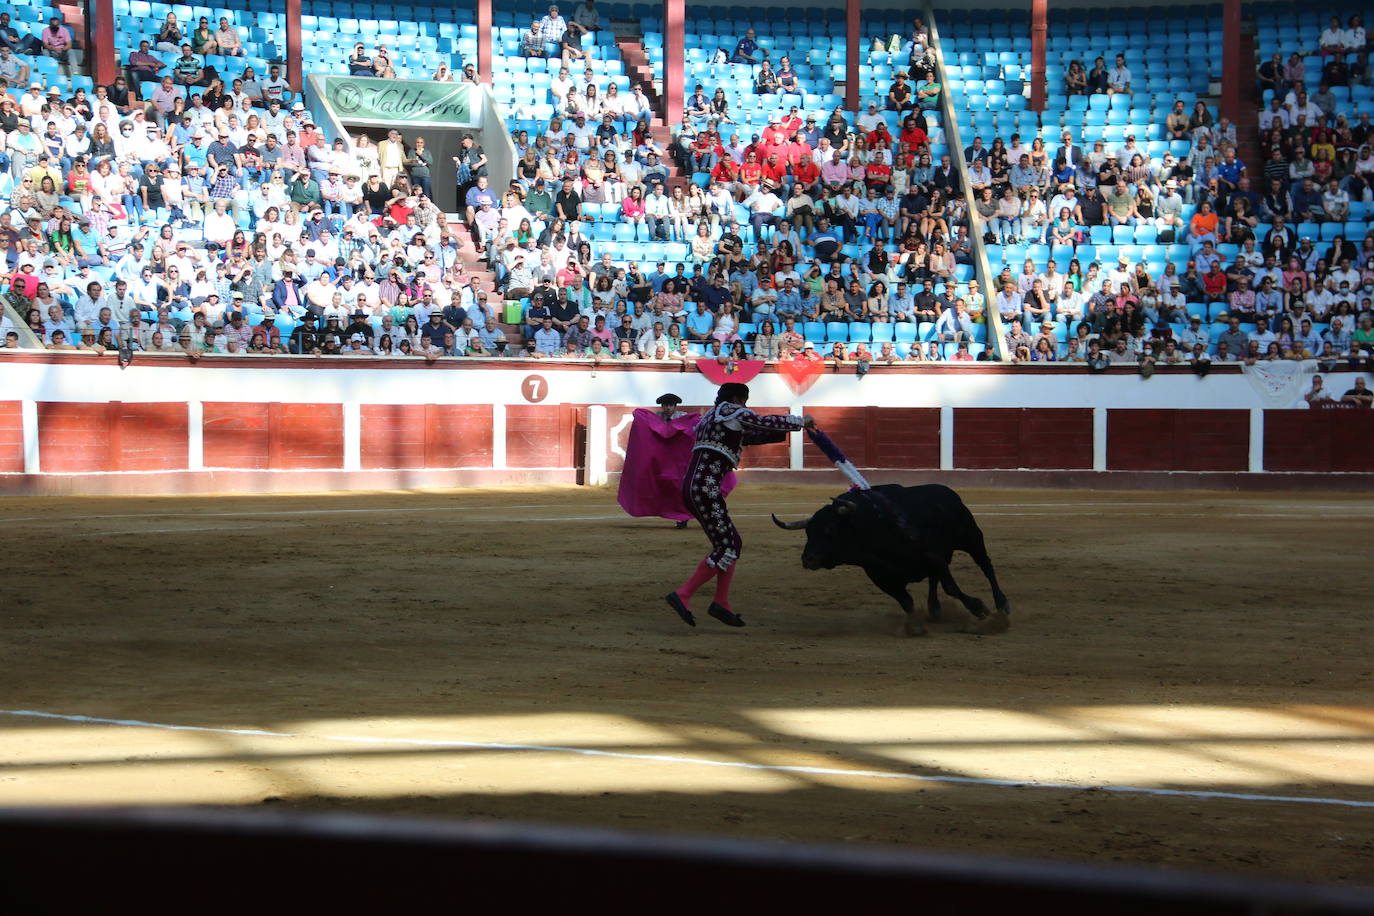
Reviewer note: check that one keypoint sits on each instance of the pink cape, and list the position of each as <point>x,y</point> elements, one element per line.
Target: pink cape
<point>656,458</point>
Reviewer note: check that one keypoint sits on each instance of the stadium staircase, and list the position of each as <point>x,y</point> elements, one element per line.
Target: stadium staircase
<point>1247,120</point>
<point>641,72</point>
<point>475,265</point>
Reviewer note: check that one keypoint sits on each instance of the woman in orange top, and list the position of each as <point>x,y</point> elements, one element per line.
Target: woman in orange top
<point>1203,226</point>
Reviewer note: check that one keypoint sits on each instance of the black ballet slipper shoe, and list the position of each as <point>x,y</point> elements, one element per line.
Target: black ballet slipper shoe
<point>725,616</point>
<point>676,604</point>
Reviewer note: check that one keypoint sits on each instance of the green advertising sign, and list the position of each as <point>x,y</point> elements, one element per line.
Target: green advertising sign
<point>364,100</point>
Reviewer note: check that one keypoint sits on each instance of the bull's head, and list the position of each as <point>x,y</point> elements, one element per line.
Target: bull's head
<point>831,537</point>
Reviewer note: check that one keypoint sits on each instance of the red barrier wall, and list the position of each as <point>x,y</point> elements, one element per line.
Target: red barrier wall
<point>1023,437</point>
<point>111,436</point>
<point>273,436</point>
<point>903,437</point>
<point>11,437</point>
<point>74,437</point>
<point>426,436</point>
<point>305,436</point>
<point>1323,441</point>
<point>102,437</point>
<point>235,436</point>
<point>1178,440</point>
<point>540,436</point>
<point>148,437</point>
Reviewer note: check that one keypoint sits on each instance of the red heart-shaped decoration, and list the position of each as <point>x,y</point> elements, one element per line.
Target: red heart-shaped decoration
<point>800,374</point>
<point>737,370</point>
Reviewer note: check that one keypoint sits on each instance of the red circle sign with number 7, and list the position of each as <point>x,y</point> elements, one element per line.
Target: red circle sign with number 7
<point>535,388</point>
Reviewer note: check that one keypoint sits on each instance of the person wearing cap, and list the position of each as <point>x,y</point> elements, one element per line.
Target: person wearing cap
<point>551,28</point>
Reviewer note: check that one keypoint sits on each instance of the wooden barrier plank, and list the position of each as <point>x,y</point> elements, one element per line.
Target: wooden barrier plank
<point>987,437</point>
<point>11,437</point>
<point>1211,440</point>
<point>1297,440</point>
<point>458,435</point>
<point>151,436</point>
<point>1140,440</point>
<point>392,436</point>
<point>905,437</point>
<point>307,436</point>
<point>775,455</point>
<point>236,435</point>
<point>74,437</point>
<point>534,436</point>
<point>1352,439</point>
<point>1054,439</point>
<point>848,428</point>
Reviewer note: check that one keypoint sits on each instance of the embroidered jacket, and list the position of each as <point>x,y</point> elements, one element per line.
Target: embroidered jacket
<point>726,428</point>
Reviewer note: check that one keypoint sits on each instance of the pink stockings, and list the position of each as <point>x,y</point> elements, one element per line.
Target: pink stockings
<point>703,574</point>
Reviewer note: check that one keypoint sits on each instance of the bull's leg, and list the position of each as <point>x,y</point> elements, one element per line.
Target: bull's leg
<point>979,553</point>
<point>897,589</point>
<point>939,568</point>
<point>933,600</point>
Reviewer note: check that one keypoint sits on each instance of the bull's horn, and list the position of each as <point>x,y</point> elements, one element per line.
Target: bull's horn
<point>790,526</point>
<point>844,507</point>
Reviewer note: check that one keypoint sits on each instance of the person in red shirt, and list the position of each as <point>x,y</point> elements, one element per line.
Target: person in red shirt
<point>791,123</point>
<point>879,172</point>
<point>706,150</point>
<point>725,173</point>
<point>1214,282</point>
<point>794,149</point>
<point>775,173</point>
<point>879,138</point>
<point>912,134</point>
<point>400,209</point>
<point>24,282</point>
<point>751,173</point>
<point>808,175</point>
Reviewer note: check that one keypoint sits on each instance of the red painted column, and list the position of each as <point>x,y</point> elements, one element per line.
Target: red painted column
<point>1231,77</point>
<point>100,38</point>
<point>1039,29</point>
<point>674,47</point>
<point>293,45</point>
<point>484,41</point>
<point>853,41</point>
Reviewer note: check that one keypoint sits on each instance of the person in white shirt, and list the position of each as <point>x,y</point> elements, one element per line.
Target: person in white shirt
<point>1355,37</point>
<point>560,86</point>
<point>1275,115</point>
<point>1333,38</point>
<point>869,120</point>
<point>219,223</point>
<point>658,211</point>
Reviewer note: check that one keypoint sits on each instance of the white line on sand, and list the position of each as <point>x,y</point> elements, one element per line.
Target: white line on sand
<point>706,762</point>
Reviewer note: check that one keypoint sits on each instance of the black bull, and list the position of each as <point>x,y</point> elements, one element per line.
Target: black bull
<point>899,535</point>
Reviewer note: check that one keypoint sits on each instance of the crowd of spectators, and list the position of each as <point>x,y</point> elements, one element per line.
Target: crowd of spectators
<point>175,213</point>
<point>820,217</point>
<point>1253,287</point>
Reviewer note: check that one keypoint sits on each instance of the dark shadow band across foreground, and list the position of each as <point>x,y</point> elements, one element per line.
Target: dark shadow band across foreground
<point>88,860</point>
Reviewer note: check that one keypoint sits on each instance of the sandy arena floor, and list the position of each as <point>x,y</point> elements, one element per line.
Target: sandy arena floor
<point>503,654</point>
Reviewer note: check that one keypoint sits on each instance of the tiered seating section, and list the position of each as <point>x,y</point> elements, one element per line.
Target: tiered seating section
<point>262,33</point>
<point>1172,59</point>
<point>29,18</point>
<point>417,39</point>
